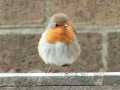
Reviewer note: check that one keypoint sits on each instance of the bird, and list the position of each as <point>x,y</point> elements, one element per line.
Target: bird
<point>58,44</point>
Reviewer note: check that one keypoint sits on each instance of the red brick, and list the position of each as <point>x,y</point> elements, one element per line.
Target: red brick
<point>19,52</point>
<point>107,12</point>
<point>21,12</point>
<point>114,52</point>
<point>90,58</point>
<point>79,10</point>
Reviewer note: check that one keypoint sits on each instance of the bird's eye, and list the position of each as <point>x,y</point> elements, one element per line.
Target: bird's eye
<point>57,25</point>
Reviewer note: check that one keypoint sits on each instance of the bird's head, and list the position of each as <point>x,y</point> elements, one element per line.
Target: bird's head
<point>59,29</point>
<point>58,20</point>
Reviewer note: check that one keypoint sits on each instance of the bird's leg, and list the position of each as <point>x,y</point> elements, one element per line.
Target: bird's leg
<point>67,68</point>
<point>49,68</point>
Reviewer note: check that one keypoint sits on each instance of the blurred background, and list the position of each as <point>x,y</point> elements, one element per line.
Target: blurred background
<point>97,23</point>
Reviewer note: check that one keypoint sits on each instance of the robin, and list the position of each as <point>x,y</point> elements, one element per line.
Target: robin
<point>58,44</point>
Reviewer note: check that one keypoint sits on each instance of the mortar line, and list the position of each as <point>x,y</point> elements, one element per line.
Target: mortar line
<point>37,30</point>
<point>104,51</point>
<point>47,10</point>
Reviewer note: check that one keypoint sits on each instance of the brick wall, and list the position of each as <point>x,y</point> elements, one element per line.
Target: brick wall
<point>96,21</point>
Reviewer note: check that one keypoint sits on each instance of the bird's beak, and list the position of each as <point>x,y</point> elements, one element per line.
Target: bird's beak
<point>66,25</point>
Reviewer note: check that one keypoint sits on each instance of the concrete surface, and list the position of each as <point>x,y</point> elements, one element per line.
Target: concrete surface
<point>63,88</point>
<point>41,81</point>
<point>59,79</point>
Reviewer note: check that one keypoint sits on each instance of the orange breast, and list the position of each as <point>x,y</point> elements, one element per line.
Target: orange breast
<point>59,34</point>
